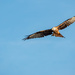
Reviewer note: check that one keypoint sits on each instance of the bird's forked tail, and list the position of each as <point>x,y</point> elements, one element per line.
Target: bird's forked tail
<point>57,35</point>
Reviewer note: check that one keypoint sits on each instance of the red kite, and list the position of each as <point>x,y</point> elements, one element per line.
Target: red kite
<point>53,31</point>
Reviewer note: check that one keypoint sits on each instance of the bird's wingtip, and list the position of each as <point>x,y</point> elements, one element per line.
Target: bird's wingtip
<point>24,39</point>
<point>27,37</point>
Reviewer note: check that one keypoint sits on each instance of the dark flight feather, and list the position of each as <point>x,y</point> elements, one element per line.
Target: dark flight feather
<point>39,34</point>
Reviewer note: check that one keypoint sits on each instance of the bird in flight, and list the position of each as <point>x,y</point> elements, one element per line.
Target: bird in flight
<point>53,31</point>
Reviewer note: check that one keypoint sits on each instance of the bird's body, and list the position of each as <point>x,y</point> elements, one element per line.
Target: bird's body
<point>53,31</point>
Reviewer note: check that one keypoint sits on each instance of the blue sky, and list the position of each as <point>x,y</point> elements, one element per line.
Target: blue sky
<point>44,56</point>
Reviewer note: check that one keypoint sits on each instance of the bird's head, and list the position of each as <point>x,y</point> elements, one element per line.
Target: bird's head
<point>54,28</point>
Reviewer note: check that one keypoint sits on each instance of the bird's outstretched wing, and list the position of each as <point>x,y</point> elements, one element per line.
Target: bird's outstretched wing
<point>66,23</point>
<point>39,34</point>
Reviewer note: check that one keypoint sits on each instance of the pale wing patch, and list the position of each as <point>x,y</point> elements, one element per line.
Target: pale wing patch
<point>66,23</point>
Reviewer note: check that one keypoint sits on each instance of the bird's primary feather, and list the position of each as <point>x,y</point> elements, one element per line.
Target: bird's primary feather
<point>66,23</point>
<point>39,34</point>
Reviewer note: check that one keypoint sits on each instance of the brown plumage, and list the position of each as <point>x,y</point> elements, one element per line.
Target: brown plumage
<point>66,23</point>
<point>53,31</point>
<point>39,34</point>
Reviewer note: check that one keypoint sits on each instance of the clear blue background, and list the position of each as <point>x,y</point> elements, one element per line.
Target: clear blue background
<point>44,56</point>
